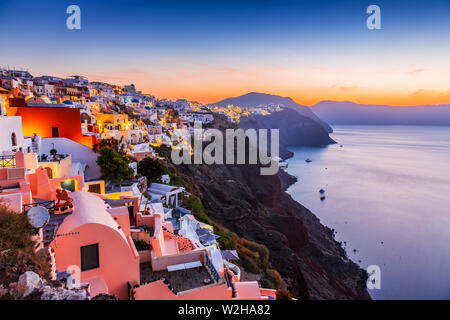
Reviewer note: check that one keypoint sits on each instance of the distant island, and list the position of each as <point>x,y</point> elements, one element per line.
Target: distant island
<point>350,113</point>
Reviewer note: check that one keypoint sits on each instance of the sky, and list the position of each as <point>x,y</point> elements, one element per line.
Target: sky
<point>209,50</point>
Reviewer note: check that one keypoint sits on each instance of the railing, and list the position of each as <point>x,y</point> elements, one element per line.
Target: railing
<point>226,278</point>
<point>212,269</point>
<point>46,204</point>
<point>234,268</point>
<point>52,158</point>
<point>7,161</point>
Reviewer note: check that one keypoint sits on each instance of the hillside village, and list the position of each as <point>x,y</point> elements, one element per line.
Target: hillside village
<point>78,159</point>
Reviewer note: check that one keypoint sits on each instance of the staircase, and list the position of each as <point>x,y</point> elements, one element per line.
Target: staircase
<point>36,145</point>
<point>50,229</point>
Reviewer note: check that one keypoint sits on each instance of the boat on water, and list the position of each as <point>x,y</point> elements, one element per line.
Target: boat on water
<point>308,160</point>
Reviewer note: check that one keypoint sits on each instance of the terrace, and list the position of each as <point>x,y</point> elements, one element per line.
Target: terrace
<point>12,171</point>
<point>8,161</point>
<point>52,157</point>
<point>180,280</point>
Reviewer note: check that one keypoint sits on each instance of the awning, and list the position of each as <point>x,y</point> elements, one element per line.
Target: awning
<point>184,266</point>
<point>230,255</point>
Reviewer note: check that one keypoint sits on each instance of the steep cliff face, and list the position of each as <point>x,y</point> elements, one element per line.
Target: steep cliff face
<point>311,262</point>
<point>294,129</point>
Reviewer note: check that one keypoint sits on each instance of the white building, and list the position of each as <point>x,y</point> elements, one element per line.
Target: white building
<point>202,117</point>
<point>83,158</point>
<point>173,195</point>
<point>45,90</point>
<point>12,139</point>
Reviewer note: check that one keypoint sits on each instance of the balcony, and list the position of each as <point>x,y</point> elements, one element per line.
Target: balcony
<point>52,158</point>
<point>7,161</point>
<point>179,281</point>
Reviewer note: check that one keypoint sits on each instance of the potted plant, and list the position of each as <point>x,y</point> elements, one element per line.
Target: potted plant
<point>54,154</point>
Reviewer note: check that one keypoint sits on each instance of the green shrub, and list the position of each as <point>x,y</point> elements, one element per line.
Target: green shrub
<point>114,166</point>
<point>272,279</point>
<point>17,254</point>
<point>227,240</point>
<point>249,260</point>
<point>152,169</point>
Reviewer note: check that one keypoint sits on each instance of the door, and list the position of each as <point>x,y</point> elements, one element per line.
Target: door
<point>55,132</point>
<point>131,215</point>
<point>95,188</point>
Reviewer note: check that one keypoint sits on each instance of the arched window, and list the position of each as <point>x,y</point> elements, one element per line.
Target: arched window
<point>13,139</point>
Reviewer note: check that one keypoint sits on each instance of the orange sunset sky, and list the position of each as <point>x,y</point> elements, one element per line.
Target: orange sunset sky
<point>308,86</point>
<point>210,50</point>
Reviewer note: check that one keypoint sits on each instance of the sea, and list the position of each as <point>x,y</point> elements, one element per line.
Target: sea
<point>387,195</point>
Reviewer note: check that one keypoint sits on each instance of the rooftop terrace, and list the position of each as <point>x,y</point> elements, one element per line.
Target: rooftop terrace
<point>181,280</point>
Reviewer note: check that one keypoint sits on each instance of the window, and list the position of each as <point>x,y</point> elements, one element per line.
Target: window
<point>55,132</point>
<point>69,185</point>
<point>89,257</point>
<point>13,139</point>
<point>95,188</point>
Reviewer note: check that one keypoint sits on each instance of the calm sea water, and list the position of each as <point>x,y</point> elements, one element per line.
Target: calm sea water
<point>387,197</point>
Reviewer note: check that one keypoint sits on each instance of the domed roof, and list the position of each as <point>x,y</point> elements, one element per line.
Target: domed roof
<point>89,209</point>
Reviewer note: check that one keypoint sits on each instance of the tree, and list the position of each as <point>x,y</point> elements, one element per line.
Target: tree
<point>17,249</point>
<point>164,151</point>
<point>152,169</point>
<point>114,166</point>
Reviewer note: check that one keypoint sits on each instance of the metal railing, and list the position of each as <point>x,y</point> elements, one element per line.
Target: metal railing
<point>226,278</point>
<point>212,269</point>
<point>7,161</point>
<point>52,158</point>
<point>50,204</point>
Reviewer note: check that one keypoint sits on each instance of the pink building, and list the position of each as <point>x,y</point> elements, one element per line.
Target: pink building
<point>95,241</point>
<point>14,189</point>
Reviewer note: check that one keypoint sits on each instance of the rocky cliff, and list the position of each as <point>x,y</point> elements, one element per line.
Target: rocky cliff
<point>312,264</point>
<point>294,129</point>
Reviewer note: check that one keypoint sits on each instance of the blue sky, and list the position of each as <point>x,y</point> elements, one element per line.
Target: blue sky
<point>311,50</point>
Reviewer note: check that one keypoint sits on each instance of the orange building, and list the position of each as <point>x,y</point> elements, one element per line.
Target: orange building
<point>53,122</point>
